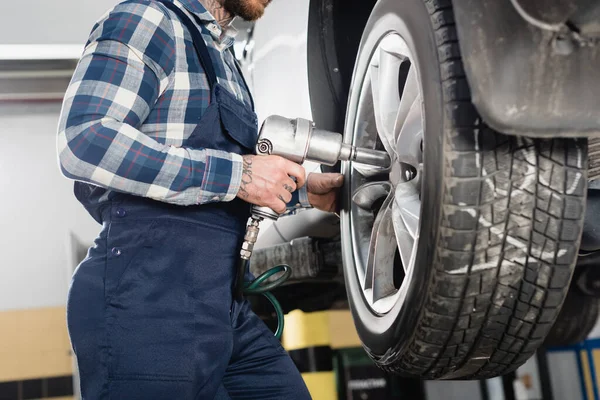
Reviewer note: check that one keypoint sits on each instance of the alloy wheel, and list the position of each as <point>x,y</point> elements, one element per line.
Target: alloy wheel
<point>386,204</point>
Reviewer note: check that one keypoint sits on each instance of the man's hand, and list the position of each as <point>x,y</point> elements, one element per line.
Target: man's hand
<point>323,190</point>
<point>266,181</point>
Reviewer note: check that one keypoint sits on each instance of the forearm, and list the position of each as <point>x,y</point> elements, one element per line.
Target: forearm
<point>116,156</point>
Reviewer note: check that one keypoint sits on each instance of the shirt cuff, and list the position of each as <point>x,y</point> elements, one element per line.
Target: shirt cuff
<point>237,166</point>
<point>299,199</point>
<point>303,197</point>
<point>219,175</point>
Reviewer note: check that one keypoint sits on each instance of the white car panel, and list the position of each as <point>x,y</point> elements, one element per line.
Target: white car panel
<point>277,61</point>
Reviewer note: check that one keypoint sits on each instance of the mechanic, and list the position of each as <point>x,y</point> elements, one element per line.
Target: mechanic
<point>158,131</point>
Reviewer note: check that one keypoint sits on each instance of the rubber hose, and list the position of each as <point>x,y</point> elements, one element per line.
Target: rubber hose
<point>259,286</point>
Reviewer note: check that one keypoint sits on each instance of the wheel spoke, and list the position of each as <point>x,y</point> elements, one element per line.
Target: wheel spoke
<point>409,95</point>
<point>409,208</point>
<point>366,130</point>
<point>386,96</point>
<point>382,250</point>
<point>369,171</point>
<point>366,195</point>
<point>404,240</point>
<point>408,145</point>
<point>405,216</point>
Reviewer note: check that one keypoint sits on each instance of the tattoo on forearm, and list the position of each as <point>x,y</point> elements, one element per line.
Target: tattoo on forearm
<point>288,188</point>
<point>246,177</point>
<point>215,7</point>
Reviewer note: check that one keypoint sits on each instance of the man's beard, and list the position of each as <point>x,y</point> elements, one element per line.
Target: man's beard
<point>249,10</point>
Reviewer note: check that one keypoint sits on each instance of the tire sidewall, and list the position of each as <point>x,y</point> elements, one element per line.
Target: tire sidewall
<point>385,336</point>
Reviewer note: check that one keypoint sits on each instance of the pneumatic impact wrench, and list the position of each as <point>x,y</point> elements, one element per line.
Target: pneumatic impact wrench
<point>298,140</point>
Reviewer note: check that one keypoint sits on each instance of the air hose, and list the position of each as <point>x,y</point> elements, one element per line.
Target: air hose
<point>259,286</point>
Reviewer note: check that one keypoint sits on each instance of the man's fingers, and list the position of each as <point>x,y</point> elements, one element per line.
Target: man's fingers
<point>337,180</point>
<point>324,183</point>
<point>280,206</point>
<point>297,171</point>
<point>324,202</point>
<point>285,196</point>
<point>330,179</point>
<point>290,186</point>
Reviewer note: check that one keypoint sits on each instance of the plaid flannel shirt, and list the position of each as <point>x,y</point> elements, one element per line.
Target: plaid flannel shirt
<point>137,94</point>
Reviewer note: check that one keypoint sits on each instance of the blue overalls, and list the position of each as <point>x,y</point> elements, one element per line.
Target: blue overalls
<point>150,311</point>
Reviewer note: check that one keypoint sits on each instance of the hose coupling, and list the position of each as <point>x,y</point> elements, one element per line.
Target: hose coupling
<point>250,238</point>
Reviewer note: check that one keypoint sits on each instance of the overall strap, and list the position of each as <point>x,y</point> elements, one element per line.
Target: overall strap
<point>239,69</point>
<point>198,40</point>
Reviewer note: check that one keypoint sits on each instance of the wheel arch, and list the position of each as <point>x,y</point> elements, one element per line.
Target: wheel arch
<point>334,32</point>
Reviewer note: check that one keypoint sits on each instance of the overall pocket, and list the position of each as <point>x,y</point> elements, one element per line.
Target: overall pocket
<point>238,122</point>
<point>149,311</point>
<point>125,241</point>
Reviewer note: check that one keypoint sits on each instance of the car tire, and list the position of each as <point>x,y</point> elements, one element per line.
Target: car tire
<point>499,224</point>
<point>576,319</point>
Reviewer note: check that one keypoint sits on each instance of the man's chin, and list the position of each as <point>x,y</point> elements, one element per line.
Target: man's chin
<point>256,12</point>
<point>248,10</point>
<point>253,16</point>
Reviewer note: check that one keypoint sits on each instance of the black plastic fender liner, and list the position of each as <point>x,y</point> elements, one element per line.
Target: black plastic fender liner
<point>526,80</point>
<point>334,31</point>
<point>551,12</point>
<point>554,14</point>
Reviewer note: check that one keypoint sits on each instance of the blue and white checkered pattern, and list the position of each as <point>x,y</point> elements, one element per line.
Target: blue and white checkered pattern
<point>137,94</point>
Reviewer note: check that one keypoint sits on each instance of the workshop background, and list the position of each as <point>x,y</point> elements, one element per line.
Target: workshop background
<point>45,233</point>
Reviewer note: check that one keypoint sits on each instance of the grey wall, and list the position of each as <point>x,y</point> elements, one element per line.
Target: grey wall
<point>43,230</point>
<point>49,21</point>
<point>42,227</point>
